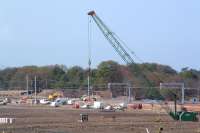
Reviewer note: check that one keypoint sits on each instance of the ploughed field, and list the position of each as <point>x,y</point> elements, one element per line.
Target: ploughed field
<point>38,119</point>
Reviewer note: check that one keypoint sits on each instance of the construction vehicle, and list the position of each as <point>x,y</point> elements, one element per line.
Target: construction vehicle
<point>58,102</point>
<point>53,96</point>
<point>3,101</point>
<point>116,43</point>
<point>182,115</point>
<point>44,101</point>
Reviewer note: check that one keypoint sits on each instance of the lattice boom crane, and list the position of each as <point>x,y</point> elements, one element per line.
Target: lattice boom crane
<point>116,43</point>
<point>112,38</point>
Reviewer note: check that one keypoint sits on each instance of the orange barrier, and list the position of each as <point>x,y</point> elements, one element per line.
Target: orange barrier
<point>192,107</point>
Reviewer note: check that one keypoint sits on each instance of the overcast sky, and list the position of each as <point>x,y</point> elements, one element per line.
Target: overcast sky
<point>45,32</point>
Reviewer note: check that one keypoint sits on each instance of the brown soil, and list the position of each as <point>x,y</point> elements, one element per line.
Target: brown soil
<point>37,119</point>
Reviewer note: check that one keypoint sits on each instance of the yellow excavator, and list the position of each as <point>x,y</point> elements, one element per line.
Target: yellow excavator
<point>53,96</point>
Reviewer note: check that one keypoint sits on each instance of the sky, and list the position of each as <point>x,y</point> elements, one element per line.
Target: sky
<point>46,32</point>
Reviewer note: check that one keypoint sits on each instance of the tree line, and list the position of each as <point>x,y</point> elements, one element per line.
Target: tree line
<point>60,76</point>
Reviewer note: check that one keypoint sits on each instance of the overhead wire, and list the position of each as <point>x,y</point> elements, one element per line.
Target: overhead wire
<point>89,53</point>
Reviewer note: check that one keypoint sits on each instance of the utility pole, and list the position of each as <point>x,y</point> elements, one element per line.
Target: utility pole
<point>89,86</point>
<point>27,85</point>
<point>198,95</point>
<point>129,94</point>
<point>183,94</point>
<point>89,79</point>
<point>46,84</point>
<point>35,90</point>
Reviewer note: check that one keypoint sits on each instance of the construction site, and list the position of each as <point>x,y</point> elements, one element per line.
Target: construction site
<point>114,107</point>
<point>20,114</point>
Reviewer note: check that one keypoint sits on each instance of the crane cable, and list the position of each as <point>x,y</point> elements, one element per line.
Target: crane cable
<point>89,40</point>
<point>89,53</point>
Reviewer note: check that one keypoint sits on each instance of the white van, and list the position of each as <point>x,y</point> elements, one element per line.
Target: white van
<point>58,102</point>
<point>98,105</point>
<point>44,101</point>
<point>3,101</point>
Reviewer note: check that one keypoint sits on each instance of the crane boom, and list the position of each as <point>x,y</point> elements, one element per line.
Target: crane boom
<point>112,39</point>
<point>116,43</point>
